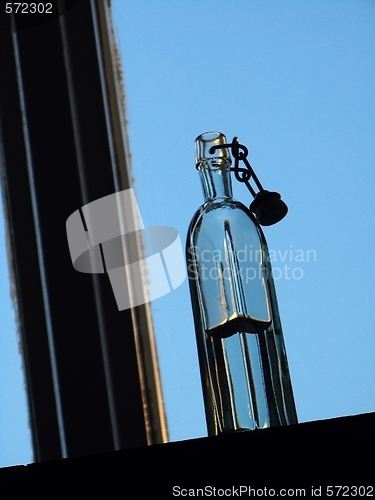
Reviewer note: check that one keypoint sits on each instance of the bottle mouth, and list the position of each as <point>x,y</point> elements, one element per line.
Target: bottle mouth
<point>203,144</point>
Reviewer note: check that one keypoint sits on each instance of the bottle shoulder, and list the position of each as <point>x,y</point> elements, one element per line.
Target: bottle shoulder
<point>217,211</point>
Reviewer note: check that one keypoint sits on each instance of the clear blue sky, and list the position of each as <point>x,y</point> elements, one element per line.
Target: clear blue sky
<point>295,80</point>
<point>15,439</point>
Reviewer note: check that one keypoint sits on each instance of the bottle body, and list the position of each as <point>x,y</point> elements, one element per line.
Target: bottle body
<point>244,370</point>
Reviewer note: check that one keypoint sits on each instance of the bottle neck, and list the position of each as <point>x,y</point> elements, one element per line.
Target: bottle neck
<point>215,178</point>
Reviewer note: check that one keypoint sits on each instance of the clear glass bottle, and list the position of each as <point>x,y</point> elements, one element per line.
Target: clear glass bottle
<point>244,369</point>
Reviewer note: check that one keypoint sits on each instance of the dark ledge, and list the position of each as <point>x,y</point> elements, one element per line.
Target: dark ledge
<point>332,452</point>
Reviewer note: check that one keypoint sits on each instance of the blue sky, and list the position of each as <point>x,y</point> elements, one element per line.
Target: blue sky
<point>15,439</point>
<point>295,81</point>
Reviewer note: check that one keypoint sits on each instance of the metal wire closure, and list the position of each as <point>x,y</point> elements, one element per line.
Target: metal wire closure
<point>268,206</point>
<point>240,152</point>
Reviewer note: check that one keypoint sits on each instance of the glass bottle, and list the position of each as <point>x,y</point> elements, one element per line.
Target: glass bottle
<point>243,363</point>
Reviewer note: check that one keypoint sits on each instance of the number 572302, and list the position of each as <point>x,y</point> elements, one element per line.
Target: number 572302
<point>28,8</point>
